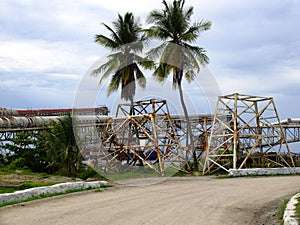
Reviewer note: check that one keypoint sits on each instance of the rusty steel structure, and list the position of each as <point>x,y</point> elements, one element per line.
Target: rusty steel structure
<point>200,128</point>
<point>247,132</point>
<point>142,134</point>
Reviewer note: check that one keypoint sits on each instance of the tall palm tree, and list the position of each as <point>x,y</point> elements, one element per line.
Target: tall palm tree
<point>177,56</point>
<point>125,42</point>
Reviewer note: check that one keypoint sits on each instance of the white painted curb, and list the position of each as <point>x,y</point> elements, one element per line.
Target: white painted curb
<point>288,216</point>
<point>264,171</point>
<point>54,189</point>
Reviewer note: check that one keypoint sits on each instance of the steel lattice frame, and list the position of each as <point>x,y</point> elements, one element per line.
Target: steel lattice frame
<point>143,134</point>
<point>244,132</point>
<point>200,126</point>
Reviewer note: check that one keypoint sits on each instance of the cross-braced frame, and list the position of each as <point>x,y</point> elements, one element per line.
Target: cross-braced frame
<point>246,132</point>
<point>142,134</point>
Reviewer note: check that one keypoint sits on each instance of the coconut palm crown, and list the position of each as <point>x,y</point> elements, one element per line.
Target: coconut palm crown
<point>173,26</point>
<point>125,42</point>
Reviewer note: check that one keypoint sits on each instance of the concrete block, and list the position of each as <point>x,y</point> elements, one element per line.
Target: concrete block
<point>56,188</point>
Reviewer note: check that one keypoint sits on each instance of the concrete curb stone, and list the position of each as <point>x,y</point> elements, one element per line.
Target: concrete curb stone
<point>289,213</point>
<point>264,171</point>
<point>54,189</point>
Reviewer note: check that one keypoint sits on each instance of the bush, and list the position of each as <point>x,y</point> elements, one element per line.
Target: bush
<point>87,173</point>
<point>19,163</point>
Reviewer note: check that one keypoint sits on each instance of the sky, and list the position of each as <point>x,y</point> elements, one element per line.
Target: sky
<point>47,47</point>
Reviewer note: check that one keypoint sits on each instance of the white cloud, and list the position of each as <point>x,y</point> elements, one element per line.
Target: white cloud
<point>48,45</point>
<point>120,6</point>
<point>41,56</point>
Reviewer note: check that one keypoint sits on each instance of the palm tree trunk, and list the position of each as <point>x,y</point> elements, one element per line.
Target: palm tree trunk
<point>131,125</point>
<point>188,127</point>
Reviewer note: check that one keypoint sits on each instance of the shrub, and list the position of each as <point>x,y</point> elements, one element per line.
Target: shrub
<point>19,163</point>
<point>87,173</point>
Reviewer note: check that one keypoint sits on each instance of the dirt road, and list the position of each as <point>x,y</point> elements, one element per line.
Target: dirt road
<point>188,200</point>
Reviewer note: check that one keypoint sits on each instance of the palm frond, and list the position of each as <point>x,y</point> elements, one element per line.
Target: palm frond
<point>190,60</point>
<point>105,41</point>
<point>114,83</point>
<point>147,64</point>
<point>161,72</point>
<point>154,16</point>
<point>172,55</point>
<point>190,75</point>
<point>200,53</point>
<point>203,25</point>
<point>188,13</point>
<point>107,68</point>
<point>113,34</point>
<point>173,26</point>
<point>139,76</point>
<point>155,53</point>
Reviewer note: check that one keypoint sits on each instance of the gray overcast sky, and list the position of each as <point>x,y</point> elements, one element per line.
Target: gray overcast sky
<point>46,47</point>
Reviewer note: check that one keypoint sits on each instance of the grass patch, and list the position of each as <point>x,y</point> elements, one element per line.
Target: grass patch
<point>99,189</point>
<point>297,215</point>
<point>28,185</point>
<point>41,197</point>
<point>129,175</point>
<point>7,189</point>
<point>139,172</point>
<point>281,210</point>
<point>23,186</point>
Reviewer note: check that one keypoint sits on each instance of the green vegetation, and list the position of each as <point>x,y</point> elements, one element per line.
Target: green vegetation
<point>8,189</point>
<point>281,210</point>
<point>89,173</point>
<point>142,172</point>
<point>12,180</point>
<point>52,195</point>
<point>62,147</point>
<point>298,210</point>
<point>50,151</point>
<point>23,186</point>
<point>123,64</point>
<point>24,153</point>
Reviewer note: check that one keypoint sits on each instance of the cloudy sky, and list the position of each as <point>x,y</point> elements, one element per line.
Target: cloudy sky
<point>46,47</point>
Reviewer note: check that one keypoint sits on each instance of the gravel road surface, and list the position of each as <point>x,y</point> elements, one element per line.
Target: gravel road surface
<point>180,200</point>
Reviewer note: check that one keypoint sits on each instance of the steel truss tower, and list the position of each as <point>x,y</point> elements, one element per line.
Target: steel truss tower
<point>246,132</point>
<point>142,134</point>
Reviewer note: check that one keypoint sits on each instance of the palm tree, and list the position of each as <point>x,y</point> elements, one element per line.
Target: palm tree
<point>177,56</point>
<point>62,143</point>
<point>125,42</point>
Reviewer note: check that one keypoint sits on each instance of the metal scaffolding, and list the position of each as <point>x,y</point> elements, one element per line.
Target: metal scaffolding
<point>142,134</point>
<point>246,132</point>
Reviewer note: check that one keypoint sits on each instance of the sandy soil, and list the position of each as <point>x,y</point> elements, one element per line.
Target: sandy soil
<point>188,200</point>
